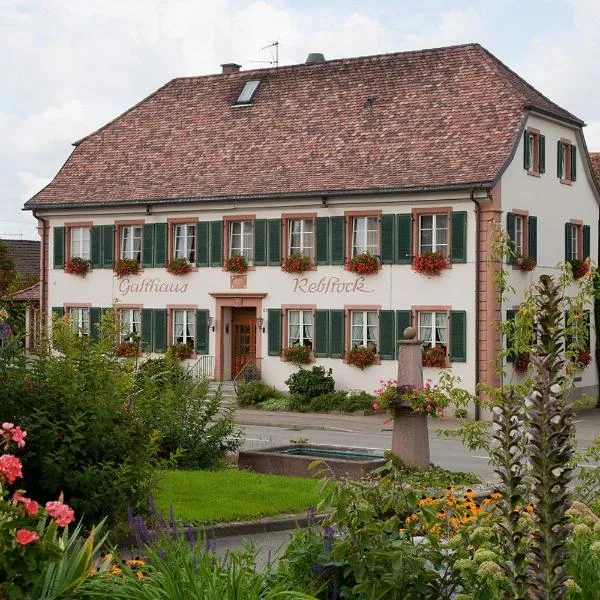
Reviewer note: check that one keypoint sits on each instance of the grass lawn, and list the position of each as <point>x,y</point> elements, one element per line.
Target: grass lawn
<point>230,495</point>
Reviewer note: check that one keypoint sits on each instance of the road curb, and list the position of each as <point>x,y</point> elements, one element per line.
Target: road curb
<point>240,528</point>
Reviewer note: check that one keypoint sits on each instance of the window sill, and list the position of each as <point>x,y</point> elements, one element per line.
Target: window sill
<point>377,361</point>
<point>534,173</point>
<point>566,181</point>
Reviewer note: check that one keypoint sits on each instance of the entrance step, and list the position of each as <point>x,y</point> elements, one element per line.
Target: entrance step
<point>227,391</point>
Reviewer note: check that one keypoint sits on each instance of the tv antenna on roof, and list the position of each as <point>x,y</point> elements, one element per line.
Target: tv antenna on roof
<point>274,62</point>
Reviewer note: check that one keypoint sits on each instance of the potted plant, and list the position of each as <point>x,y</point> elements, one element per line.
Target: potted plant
<point>77,266</point>
<point>428,399</point>
<point>297,354</point>
<point>522,363</point>
<point>525,263</point>
<point>236,264</point>
<point>181,351</point>
<point>296,263</point>
<point>179,266</point>
<point>429,263</point>
<point>583,359</point>
<point>579,267</point>
<point>127,266</point>
<point>128,349</point>
<point>434,356</point>
<point>361,357</point>
<point>363,264</point>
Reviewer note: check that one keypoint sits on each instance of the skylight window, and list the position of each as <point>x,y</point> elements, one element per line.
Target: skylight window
<point>248,91</point>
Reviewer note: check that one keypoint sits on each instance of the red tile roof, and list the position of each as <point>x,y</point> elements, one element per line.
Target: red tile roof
<point>439,118</point>
<point>595,160</point>
<point>26,255</point>
<point>30,294</point>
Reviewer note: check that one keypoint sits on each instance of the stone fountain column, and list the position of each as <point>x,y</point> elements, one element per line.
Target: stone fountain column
<point>410,439</point>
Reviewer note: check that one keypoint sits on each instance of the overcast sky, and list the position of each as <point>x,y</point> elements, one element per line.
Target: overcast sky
<point>69,66</point>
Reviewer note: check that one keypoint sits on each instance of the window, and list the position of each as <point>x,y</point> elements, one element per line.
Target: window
<point>433,329</point>
<point>184,236</point>
<point>184,327</point>
<point>575,242</point>
<point>80,321</point>
<point>131,242</point>
<point>433,233</point>
<point>80,242</point>
<point>534,152</point>
<point>301,237</point>
<point>574,246</point>
<point>300,328</point>
<point>518,240</point>
<point>566,161</point>
<point>241,239</point>
<point>364,235</point>
<point>364,329</point>
<point>131,323</point>
<point>248,92</point>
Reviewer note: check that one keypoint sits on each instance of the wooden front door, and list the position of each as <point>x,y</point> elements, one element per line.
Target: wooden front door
<point>243,340</point>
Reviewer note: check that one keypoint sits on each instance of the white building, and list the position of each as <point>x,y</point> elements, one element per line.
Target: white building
<point>394,155</point>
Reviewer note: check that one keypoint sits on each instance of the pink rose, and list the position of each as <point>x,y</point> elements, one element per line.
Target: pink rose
<point>24,536</point>
<point>10,467</point>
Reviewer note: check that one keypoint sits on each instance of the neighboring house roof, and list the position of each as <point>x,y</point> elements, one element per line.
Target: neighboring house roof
<point>29,294</point>
<point>26,254</point>
<point>427,119</point>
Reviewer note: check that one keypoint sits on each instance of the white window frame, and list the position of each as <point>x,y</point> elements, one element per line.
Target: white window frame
<point>305,319</point>
<point>80,320</point>
<point>80,242</point>
<point>130,323</point>
<point>363,328</point>
<point>306,234</point>
<point>135,234</point>
<point>436,244</point>
<point>187,319</point>
<point>519,235</point>
<point>434,338</point>
<point>186,232</point>
<point>245,237</point>
<point>575,233</point>
<point>362,226</point>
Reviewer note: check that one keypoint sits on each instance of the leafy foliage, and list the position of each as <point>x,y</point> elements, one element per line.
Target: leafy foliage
<point>310,383</point>
<point>255,392</point>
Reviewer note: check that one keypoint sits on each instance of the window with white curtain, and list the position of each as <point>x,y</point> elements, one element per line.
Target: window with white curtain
<point>241,239</point>
<point>364,328</point>
<point>433,329</point>
<point>519,245</point>
<point>575,242</point>
<point>364,235</point>
<point>433,233</point>
<point>131,323</point>
<point>184,327</point>
<point>184,237</point>
<point>80,321</point>
<point>301,237</point>
<point>80,242</point>
<point>300,328</point>
<point>131,242</point>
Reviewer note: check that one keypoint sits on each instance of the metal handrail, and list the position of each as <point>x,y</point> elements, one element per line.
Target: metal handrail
<point>203,365</point>
<point>249,372</point>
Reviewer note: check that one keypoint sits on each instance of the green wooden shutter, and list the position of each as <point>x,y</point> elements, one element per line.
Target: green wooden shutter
<point>387,250</point>
<point>147,329</point>
<point>336,333</point>
<point>337,227</point>
<point>588,327</point>
<point>274,239</point>
<point>458,243</point>
<point>160,245</point>
<point>58,311</point>
<point>526,156</point>
<point>148,246</point>
<point>586,241</point>
<point>108,246</point>
<point>403,320</point>
<point>568,241</point>
<point>458,336</point>
<point>321,341</point>
<point>202,331</point>
<point>159,330</point>
<point>542,153</point>
<point>510,229</point>
<point>559,159</point>
<point>59,247</point>
<point>532,224</point>
<point>216,243</point>
<point>274,331</point>
<point>260,242</point>
<point>202,244</point>
<point>387,335</point>
<point>510,316</point>
<point>573,163</point>
<point>322,241</point>
<point>404,227</point>
<point>96,246</point>
<point>95,314</point>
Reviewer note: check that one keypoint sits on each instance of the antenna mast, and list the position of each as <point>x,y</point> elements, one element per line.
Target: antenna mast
<point>274,62</point>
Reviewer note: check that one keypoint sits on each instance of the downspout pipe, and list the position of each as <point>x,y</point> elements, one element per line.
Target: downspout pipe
<point>44,268</point>
<point>477,290</point>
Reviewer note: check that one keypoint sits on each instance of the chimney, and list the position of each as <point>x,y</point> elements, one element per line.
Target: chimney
<point>314,57</point>
<point>229,68</point>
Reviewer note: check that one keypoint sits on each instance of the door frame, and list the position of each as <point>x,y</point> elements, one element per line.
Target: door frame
<point>249,319</point>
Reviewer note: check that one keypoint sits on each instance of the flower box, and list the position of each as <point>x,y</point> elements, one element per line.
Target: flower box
<point>181,351</point>
<point>361,357</point>
<point>579,267</point>
<point>525,263</point>
<point>363,264</point>
<point>522,363</point>
<point>128,349</point>
<point>297,354</point>
<point>236,264</point>
<point>296,263</point>
<point>434,357</point>
<point>77,266</point>
<point>179,266</point>
<point>430,263</point>
<point>127,266</point>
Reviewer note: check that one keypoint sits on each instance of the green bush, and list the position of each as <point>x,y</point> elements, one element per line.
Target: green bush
<point>310,383</point>
<point>275,404</point>
<point>255,392</point>
<point>327,402</point>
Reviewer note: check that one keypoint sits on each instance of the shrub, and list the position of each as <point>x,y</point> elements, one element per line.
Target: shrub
<point>297,354</point>
<point>310,383</point>
<point>355,401</point>
<point>275,404</point>
<point>255,392</point>
<point>327,402</point>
